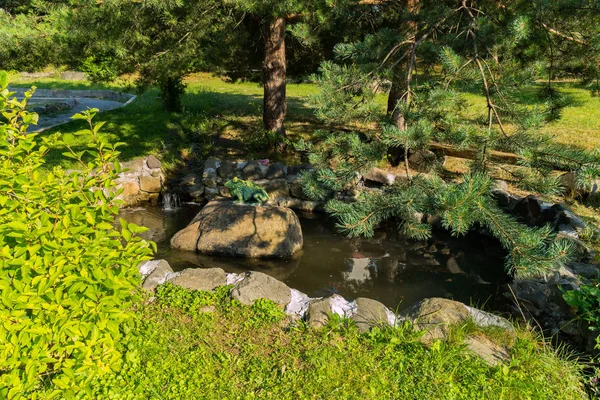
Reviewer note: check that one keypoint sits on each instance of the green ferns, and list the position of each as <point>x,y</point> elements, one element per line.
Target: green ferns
<point>68,277</point>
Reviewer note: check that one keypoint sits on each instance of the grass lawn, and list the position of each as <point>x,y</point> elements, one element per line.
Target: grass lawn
<point>243,352</point>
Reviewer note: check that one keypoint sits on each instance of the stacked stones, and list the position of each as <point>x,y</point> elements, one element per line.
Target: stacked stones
<point>433,315</point>
<point>279,180</point>
<point>142,180</point>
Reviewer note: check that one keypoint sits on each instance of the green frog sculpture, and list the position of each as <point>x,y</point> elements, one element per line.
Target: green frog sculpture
<point>246,192</point>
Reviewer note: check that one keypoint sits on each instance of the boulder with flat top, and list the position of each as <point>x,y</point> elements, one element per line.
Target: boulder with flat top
<point>230,229</point>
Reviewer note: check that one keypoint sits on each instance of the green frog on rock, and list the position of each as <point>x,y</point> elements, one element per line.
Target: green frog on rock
<point>246,192</point>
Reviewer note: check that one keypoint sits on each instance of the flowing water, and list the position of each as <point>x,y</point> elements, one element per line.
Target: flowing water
<point>390,268</point>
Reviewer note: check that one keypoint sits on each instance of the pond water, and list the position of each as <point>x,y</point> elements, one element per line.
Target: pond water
<point>388,267</point>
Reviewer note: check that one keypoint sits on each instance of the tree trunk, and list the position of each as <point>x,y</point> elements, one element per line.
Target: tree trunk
<point>274,65</point>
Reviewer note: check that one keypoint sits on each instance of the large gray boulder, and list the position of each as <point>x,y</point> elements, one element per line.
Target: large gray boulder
<point>205,279</point>
<point>257,285</point>
<point>226,228</point>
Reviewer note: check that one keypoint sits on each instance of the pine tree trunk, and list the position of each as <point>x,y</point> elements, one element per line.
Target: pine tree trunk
<point>397,95</point>
<point>274,65</point>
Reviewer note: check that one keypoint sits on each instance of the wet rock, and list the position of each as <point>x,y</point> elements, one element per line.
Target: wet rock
<point>489,351</point>
<point>369,313</point>
<point>151,184</point>
<point>253,171</point>
<point>257,285</point>
<point>153,162</point>
<point>158,276</point>
<point>225,228</point>
<point>228,170</point>
<point>205,279</point>
<point>276,171</point>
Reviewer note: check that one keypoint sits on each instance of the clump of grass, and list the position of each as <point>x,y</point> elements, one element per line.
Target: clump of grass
<point>255,352</point>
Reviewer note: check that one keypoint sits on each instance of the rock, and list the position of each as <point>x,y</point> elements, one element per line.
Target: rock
<point>147,267</point>
<point>153,162</point>
<point>589,271</point>
<point>369,313</point>
<point>453,266</point>
<point>228,170</point>
<point>485,319</point>
<point>569,218</point>
<point>276,171</point>
<point>298,304</point>
<point>423,160</point>
<point>209,174</point>
<point>380,176</point>
<point>568,231</point>
<point>568,181</point>
<point>211,192</point>
<point>150,184</point>
<point>257,285</point>
<point>190,180</point>
<point>130,190</point>
<point>158,276</point>
<point>318,313</point>
<point>205,279</point>
<point>489,351</point>
<point>224,192</point>
<point>276,188</point>
<point>39,109</point>
<point>298,204</point>
<point>531,292</point>
<point>296,169</point>
<point>528,209</point>
<point>436,315</point>
<point>133,166</point>
<point>253,171</point>
<point>225,228</point>
<point>196,191</point>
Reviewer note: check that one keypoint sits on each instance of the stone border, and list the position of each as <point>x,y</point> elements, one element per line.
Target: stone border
<point>142,180</point>
<point>433,315</point>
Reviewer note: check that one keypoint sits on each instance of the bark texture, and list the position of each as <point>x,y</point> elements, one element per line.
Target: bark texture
<point>274,70</point>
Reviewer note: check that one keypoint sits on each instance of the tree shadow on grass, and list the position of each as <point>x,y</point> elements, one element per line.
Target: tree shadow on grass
<point>146,128</point>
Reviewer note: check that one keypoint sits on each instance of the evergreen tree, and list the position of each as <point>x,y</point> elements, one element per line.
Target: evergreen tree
<point>456,46</point>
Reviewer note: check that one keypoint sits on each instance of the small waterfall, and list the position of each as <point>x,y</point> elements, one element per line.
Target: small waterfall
<point>170,201</point>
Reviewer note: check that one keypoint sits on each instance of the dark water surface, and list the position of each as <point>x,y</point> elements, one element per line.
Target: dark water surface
<point>390,268</point>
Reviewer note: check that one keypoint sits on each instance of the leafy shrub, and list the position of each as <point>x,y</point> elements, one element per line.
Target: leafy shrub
<point>68,277</point>
<point>587,301</point>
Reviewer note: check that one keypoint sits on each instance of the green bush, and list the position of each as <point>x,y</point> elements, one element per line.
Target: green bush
<point>68,277</point>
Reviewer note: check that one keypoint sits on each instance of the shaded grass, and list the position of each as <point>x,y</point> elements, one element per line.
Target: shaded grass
<point>224,119</point>
<point>254,352</point>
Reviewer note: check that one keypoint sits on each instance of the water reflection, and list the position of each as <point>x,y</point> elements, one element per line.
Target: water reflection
<point>388,267</point>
